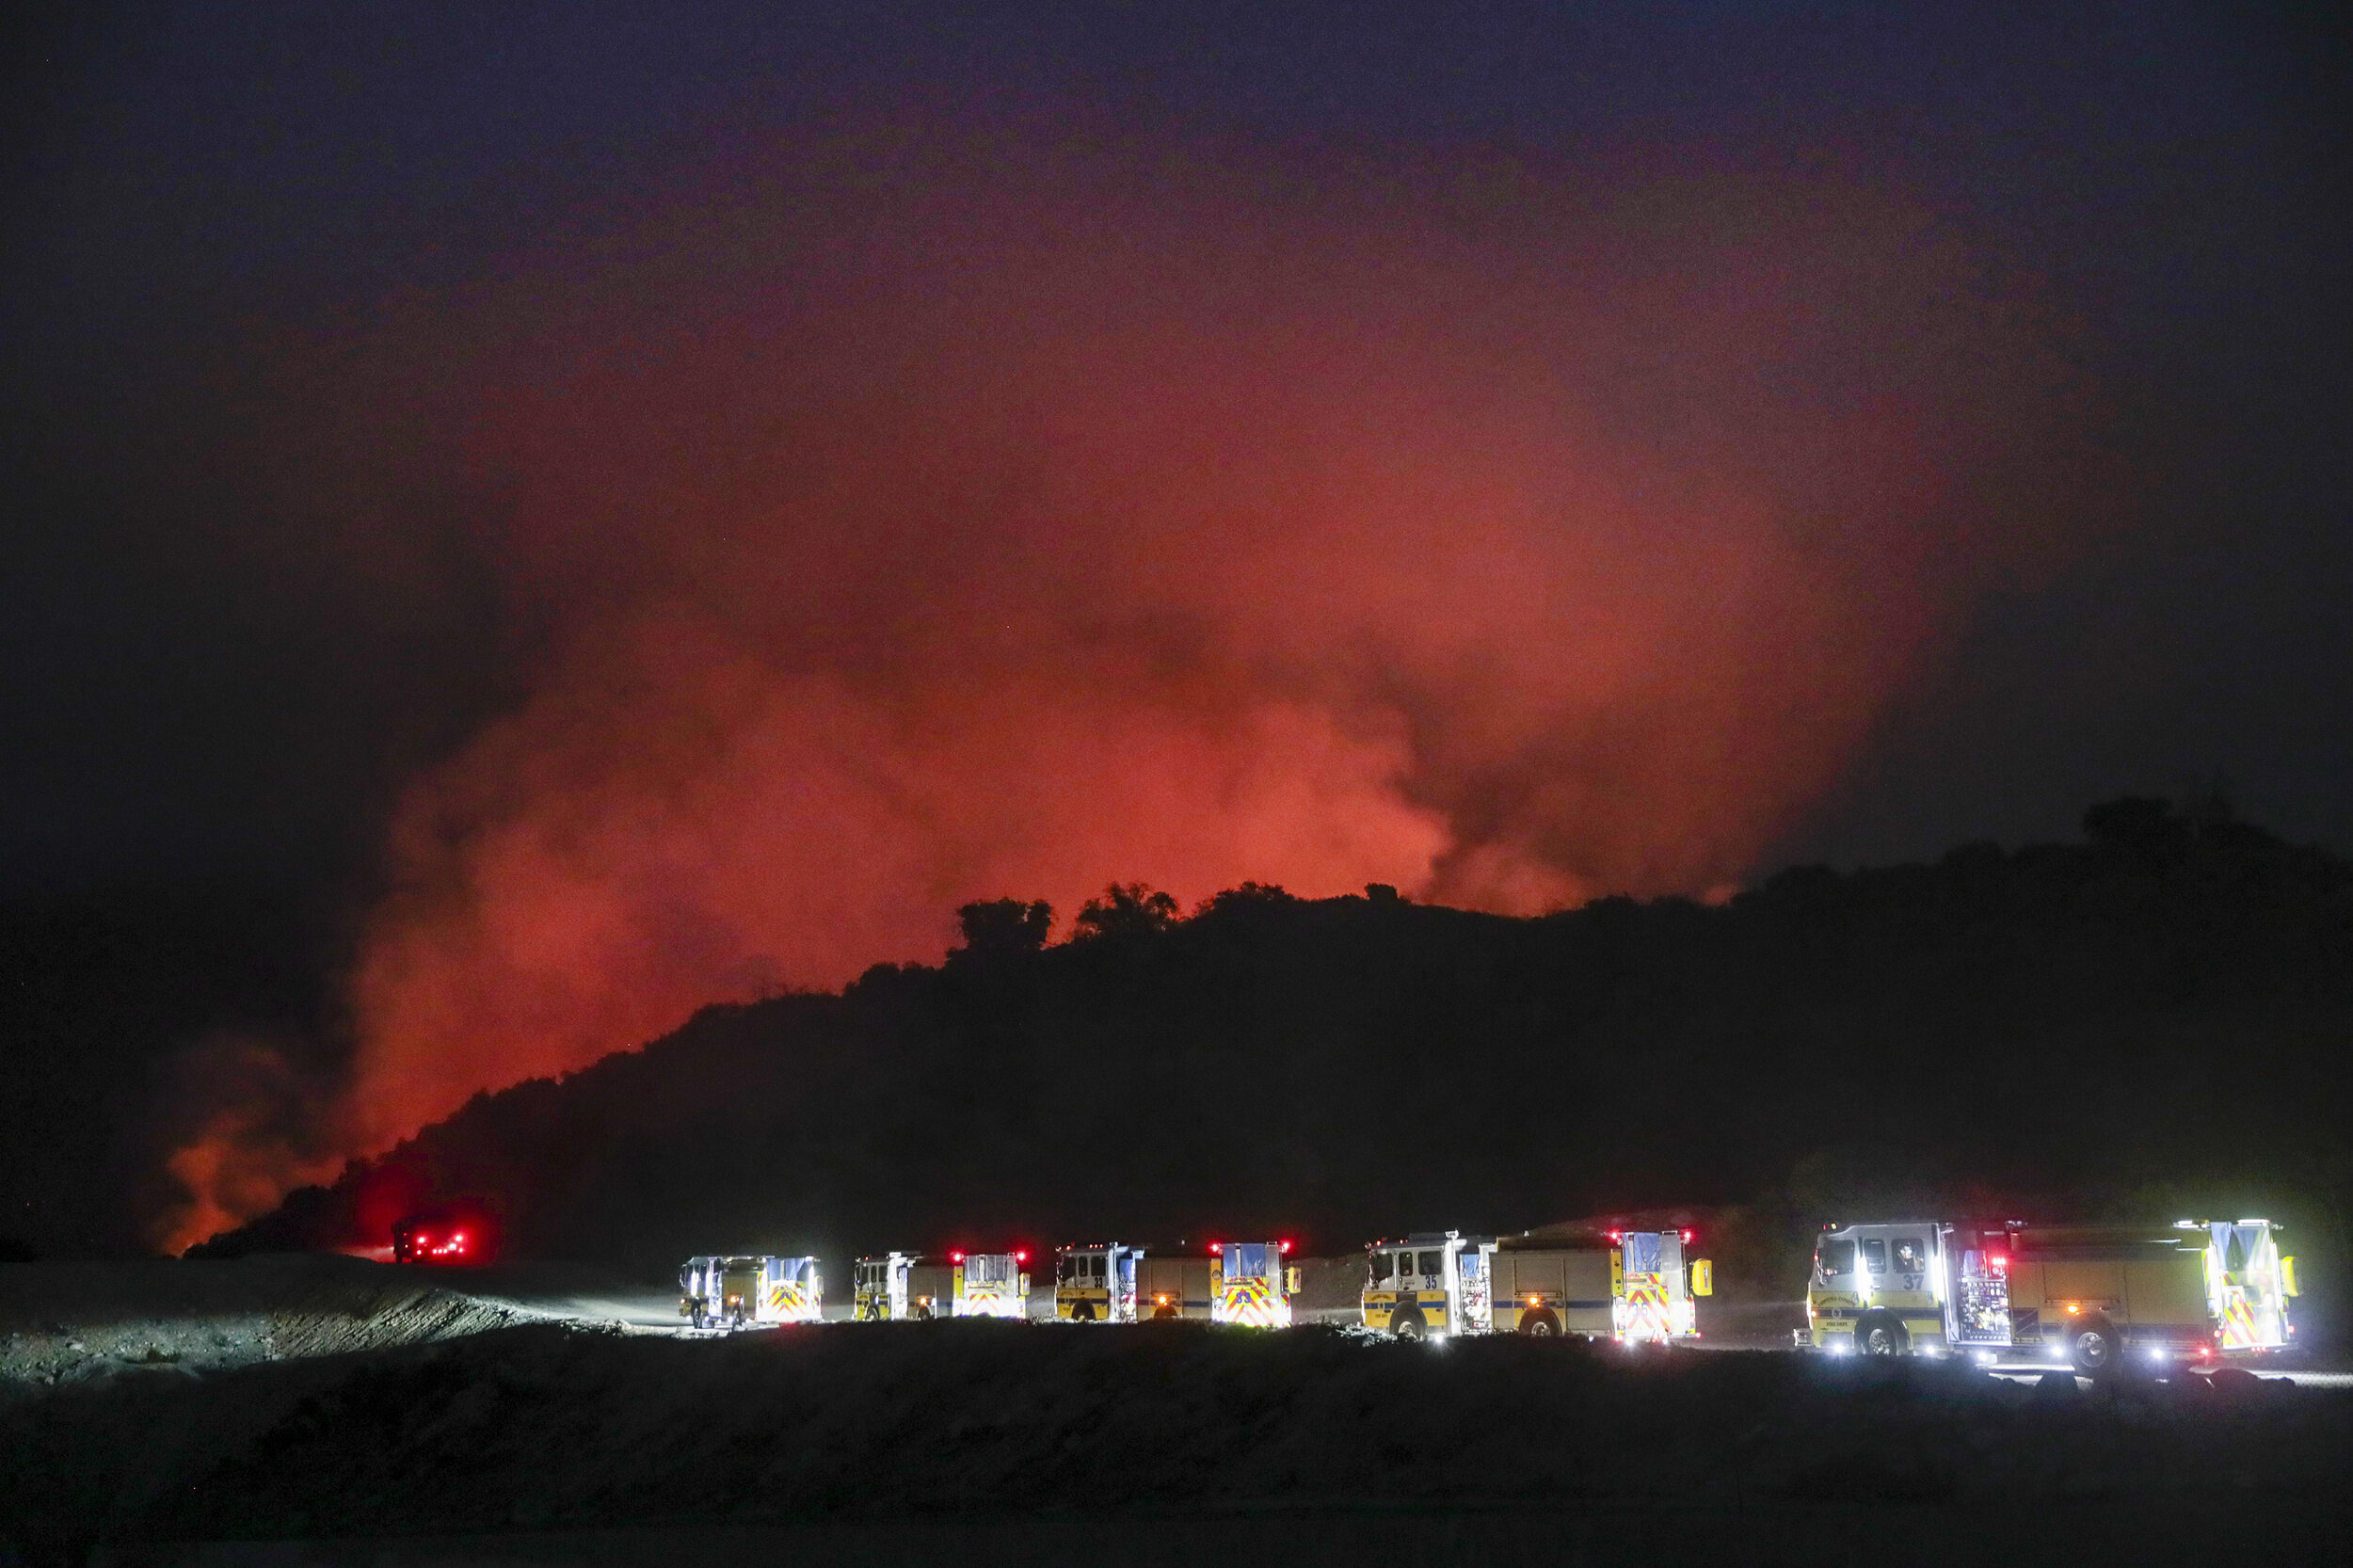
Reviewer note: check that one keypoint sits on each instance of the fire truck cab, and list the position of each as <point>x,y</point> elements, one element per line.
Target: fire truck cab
<point>1428,1284</point>
<point>991,1285</point>
<point>1097,1283</point>
<point>739,1292</point>
<point>903,1288</point>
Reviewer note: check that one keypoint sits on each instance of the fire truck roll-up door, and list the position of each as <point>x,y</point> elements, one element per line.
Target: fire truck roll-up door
<point>1175,1286</point>
<point>1572,1285</point>
<point>931,1291</point>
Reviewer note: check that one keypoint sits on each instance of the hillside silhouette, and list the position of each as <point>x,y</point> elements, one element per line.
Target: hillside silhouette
<point>2157,1017</point>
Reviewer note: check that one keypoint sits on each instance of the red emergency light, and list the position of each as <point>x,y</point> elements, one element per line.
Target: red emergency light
<point>1286,1246</point>
<point>1686,1238</point>
<point>956,1258</point>
<point>1020,1256</point>
<point>1215,1249</point>
<point>441,1238</point>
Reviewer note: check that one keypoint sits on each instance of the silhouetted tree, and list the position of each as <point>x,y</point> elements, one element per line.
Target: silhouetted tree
<point>1249,896</point>
<point>2136,824</point>
<point>1004,928</point>
<point>1130,909</point>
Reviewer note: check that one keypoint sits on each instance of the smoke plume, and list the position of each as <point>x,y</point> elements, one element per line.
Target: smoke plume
<point>918,526</point>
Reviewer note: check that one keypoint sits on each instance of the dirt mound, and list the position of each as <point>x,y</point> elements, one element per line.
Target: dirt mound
<point>550,1427</point>
<point>62,1322</point>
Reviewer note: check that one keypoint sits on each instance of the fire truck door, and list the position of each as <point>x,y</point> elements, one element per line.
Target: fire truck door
<point>1478,1290</point>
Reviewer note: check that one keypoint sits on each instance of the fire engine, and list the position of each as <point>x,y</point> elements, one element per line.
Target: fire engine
<point>437,1236</point>
<point>1651,1288</point>
<point>1231,1282</point>
<point>737,1292</point>
<point>989,1285</point>
<point>1253,1285</point>
<point>1636,1289</point>
<point>2085,1295</point>
<point>903,1288</point>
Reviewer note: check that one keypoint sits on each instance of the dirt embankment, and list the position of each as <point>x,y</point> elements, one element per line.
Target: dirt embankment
<point>64,1322</point>
<point>552,1428</point>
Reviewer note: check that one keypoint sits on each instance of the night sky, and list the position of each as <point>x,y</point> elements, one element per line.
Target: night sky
<point>554,519</point>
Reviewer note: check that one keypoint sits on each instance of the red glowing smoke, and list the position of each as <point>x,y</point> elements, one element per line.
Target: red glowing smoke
<point>1490,538</point>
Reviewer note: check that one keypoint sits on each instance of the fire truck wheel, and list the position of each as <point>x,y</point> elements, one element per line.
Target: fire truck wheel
<point>1083,1312</point>
<point>1879,1333</point>
<point>2093,1348</point>
<point>1163,1312</point>
<point>923,1313</point>
<point>1408,1325</point>
<point>1540,1323</point>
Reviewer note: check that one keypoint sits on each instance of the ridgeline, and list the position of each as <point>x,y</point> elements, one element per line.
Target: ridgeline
<point>2154,1020</point>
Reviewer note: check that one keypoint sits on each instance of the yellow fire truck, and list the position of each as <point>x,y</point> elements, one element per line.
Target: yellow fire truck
<point>1097,1283</point>
<point>904,1288</point>
<point>1636,1288</point>
<point>738,1292</point>
<point>1253,1287</point>
<point>990,1285</point>
<point>1231,1282</point>
<point>2087,1295</point>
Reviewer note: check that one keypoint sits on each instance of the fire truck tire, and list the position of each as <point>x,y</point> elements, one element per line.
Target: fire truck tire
<point>923,1313</point>
<point>1163,1312</point>
<point>1881,1334</point>
<point>1083,1312</point>
<point>2095,1350</point>
<point>1408,1325</point>
<point>1540,1323</point>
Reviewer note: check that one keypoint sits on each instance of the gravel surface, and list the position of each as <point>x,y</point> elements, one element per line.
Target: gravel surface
<point>551,1427</point>
<point>70,1322</point>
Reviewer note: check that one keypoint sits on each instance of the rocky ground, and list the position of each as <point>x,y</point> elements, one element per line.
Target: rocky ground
<point>70,1322</point>
<point>552,1443</point>
<point>331,1411</point>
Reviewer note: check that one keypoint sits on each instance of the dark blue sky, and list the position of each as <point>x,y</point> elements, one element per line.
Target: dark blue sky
<point>189,180</point>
